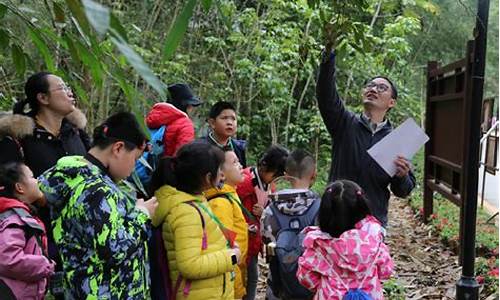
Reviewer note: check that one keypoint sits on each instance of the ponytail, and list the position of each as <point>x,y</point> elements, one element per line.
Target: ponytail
<point>19,106</point>
<point>36,83</point>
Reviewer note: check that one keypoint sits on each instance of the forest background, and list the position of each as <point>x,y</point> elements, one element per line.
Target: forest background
<point>262,55</point>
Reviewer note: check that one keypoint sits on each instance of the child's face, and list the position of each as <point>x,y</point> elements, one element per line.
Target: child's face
<point>122,161</point>
<point>267,176</point>
<point>27,188</point>
<point>225,124</point>
<point>233,172</point>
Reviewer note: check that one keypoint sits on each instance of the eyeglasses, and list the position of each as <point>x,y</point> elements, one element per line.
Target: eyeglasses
<point>379,87</point>
<point>64,88</point>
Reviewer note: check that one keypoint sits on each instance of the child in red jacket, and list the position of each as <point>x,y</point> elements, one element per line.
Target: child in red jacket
<point>175,115</point>
<point>253,193</point>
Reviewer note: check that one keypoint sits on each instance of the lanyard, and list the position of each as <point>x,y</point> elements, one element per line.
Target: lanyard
<point>243,209</point>
<point>228,234</point>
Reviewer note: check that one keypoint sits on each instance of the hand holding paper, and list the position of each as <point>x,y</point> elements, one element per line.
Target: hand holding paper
<point>403,141</point>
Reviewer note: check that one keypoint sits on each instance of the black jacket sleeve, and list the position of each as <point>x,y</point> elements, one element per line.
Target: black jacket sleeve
<point>10,150</point>
<point>331,107</point>
<point>402,186</point>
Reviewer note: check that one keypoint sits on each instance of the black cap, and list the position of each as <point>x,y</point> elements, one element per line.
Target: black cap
<point>181,95</point>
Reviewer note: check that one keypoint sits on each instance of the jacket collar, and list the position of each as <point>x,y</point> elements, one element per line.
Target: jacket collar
<point>10,203</point>
<point>15,125</point>
<point>365,121</point>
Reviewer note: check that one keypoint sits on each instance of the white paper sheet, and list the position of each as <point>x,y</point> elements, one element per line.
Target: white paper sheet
<point>404,140</point>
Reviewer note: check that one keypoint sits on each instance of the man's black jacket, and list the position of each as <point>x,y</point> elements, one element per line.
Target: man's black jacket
<point>351,138</point>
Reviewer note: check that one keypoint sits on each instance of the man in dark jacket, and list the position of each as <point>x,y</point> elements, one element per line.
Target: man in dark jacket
<point>352,135</point>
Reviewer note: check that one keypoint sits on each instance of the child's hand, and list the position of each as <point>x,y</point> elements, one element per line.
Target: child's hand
<point>147,206</point>
<point>257,210</point>
<point>51,268</point>
<point>237,253</point>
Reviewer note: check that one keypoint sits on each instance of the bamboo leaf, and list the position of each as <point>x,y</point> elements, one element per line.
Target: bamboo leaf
<point>223,16</point>
<point>59,13</point>
<point>117,26</point>
<point>71,47</point>
<point>97,15</point>
<point>81,94</point>
<point>19,59</point>
<point>3,10</point>
<point>140,66</point>
<point>206,4</point>
<point>131,96</point>
<point>89,60</point>
<point>43,48</point>
<point>4,39</point>
<point>76,9</point>
<point>177,31</point>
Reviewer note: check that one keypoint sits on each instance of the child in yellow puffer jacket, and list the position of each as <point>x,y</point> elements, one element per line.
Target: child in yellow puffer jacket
<point>227,206</point>
<point>200,259</point>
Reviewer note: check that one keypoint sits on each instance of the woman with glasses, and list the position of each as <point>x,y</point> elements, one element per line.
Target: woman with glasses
<point>58,125</point>
<point>44,127</point>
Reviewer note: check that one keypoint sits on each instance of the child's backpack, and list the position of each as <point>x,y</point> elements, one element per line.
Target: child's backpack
<point>288,250</point>
<point>148,162</point>
<point>161,284</point>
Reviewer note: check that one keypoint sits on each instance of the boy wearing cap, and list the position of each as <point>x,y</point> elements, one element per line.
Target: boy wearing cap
<point>175,115</point>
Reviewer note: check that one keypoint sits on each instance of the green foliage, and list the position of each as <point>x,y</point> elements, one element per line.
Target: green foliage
<point>261,55</point>
<point>394,290</point>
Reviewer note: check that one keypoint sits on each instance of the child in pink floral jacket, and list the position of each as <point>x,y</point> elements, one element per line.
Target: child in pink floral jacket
<point>347,250</point>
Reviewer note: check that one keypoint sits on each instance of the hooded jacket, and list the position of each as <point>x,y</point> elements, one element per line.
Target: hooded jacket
<point>180,129</point>
<point>329,264</point>
<point>13,128</point>
<point>100,234</point>
<point>227,207</point>
<point>205,273</point>
<point>39,143</point>
<point>247,193</point>
<point>23,267</point>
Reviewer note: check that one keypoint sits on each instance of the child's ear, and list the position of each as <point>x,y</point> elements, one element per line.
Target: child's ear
<point>19,188</point>
<point>208,181</point>
<point>211,122</point>
<point>313,177</point>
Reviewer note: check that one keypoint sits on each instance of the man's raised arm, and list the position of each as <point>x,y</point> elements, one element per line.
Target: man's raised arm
<point>330,105</point>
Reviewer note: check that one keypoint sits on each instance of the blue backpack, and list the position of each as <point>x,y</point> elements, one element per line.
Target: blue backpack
<point>148,162</point>
<point>288,250</point>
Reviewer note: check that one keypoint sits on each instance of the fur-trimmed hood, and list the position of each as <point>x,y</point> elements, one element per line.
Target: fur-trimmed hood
<point>19,126</point>
<point>77,118</point>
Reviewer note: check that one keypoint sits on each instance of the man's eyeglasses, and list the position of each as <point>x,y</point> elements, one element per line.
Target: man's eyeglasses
<point>379,87</point>
<point>64,88</point>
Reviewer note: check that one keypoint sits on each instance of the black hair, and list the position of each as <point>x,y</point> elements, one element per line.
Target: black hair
<point>394,91</point>
<point>300,163</point>
<point>218,107</point>
<point>343,205</point>
<point>187,170</point>
<point>10,174</point>
<point>274,159</point>
<point>36,83</point>
<point>122,126</point>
